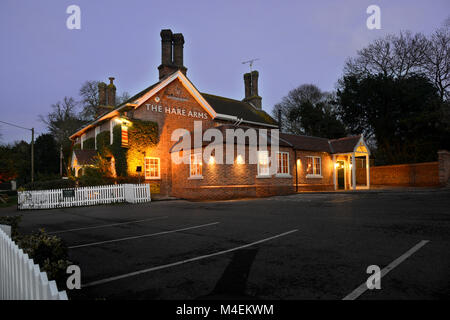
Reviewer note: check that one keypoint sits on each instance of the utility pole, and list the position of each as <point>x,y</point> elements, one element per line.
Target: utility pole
<point>32,154</point>
<point>60,161</point>
<point>32,145</point>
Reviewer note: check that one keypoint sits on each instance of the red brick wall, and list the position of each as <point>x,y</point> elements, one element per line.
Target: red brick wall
<point>167,123</point>
<point>228,181</point>
<point>444,167</point>
<point>417,175</point>
<point>314,184</point>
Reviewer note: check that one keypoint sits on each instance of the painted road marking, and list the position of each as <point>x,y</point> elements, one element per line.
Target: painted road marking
<point>362,288</point>
<point>142,236</point>
<point>107,225</point>
<point>131,274</point>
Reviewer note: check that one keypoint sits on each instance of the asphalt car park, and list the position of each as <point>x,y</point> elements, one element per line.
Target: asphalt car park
<point>303,246</point>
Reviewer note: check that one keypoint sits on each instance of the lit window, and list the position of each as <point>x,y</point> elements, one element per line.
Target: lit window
<point>283,163</point>
<point>195,167</point>
<point>152,168</point>
<point>314,166</point>
<point>263,163</point>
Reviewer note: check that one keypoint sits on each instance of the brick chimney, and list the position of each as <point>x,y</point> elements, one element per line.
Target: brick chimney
<point>111,93</point>
<point>178,44</point>
<point>251,89</point>
<point>171,53</point>
<point>102,94</point>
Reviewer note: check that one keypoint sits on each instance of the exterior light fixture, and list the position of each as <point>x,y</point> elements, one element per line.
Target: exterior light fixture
<point>212,160</point>
<point>239,159</point>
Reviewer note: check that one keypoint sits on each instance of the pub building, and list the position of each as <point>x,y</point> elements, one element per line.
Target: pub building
<point>303,163</point>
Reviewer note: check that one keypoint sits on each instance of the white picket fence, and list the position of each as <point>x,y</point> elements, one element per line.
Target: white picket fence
<point>20,278</point>
<point>85,196</point>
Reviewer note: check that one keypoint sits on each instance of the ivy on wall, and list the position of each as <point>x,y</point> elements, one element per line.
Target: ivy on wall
<point>142,135</point>
<point>89,144</point>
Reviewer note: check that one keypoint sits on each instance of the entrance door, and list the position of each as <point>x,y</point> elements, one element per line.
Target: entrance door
<point>341,174</point>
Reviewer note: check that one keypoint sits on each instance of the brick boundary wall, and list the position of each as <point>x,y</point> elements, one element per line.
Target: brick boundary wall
<point>412,175</point>
<point>231,192</point>
<point>444,167</point>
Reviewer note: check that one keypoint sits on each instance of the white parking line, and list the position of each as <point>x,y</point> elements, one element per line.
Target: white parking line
<point>142,236</point>
<point>107,225</point>
<point>131,274</point>
<point>362,288</point>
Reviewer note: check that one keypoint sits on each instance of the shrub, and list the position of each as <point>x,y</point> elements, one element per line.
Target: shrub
<point>50,184</point>
<point>50,252</point>
<point>93,177</point>
<point>12,221</point>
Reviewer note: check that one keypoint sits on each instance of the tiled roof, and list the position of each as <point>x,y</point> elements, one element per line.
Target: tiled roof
<point>237,108</point>
<point>308,143</point>
<point>344,145</point>
<point>85,157</point>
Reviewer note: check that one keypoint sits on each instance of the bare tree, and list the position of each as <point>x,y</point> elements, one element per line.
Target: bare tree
<point>437,62</point>
<point>63,120</point>
<point>125,96</point>
<point>89,99</point>
<point>393,56</point>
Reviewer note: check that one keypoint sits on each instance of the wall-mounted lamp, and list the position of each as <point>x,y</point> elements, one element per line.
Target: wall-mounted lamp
<point>239,159</point>
<point>212,160</point>
<point>125,122</point>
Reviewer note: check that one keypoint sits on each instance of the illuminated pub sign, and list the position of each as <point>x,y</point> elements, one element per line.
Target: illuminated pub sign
<point>124,136</point>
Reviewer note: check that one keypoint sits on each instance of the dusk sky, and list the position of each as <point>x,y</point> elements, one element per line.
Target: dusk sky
<point>297,42</point>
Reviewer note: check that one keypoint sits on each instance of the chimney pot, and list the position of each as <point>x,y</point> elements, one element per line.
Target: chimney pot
<point>166,47</point>
<point>111,92</point>
<point>172,53</point>
<point>178,42</point>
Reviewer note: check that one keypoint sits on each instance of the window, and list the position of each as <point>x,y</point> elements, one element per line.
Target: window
<point>283,163</point>
<point>263,163</point>
<point>314,167</point>
<point>152,168</point>
<point>195,166</point>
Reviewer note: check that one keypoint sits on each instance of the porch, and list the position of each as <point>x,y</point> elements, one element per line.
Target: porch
<point>345,165</point>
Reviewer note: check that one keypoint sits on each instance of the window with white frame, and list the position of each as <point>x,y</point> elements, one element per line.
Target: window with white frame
<point>152,168</point>
<point>263,163</point>
<point>195,167</point>
<point>313,166</point>
<point>283,163</point>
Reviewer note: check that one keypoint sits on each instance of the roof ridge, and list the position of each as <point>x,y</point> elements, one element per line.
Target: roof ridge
<point>305,135</point>
<point>349,137</point>
<point>222,97</point>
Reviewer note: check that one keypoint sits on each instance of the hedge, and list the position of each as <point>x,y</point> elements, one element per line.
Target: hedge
<point>50,184</point>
